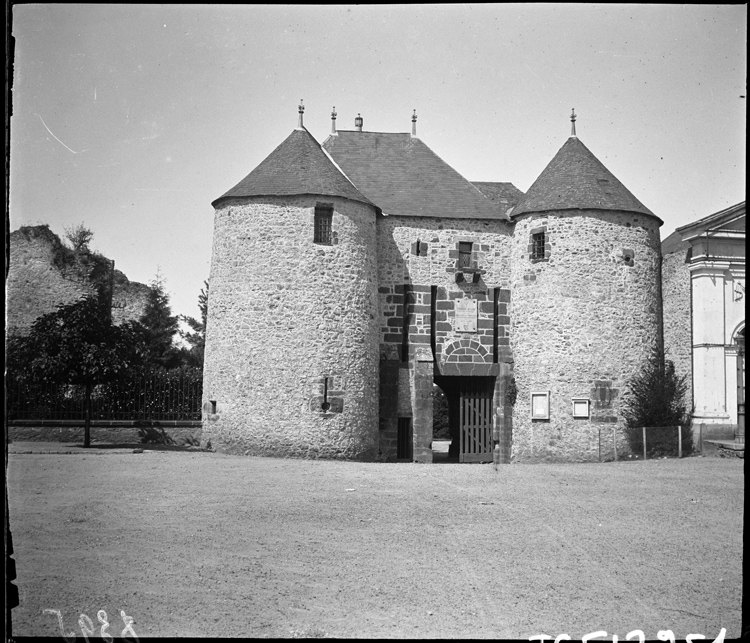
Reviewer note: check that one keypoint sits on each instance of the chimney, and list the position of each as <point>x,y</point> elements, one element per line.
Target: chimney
<point>414,124</point>
<point>301,109</point>
<point>358,123</point>
<point>573,123</point>
<point>333,121</point>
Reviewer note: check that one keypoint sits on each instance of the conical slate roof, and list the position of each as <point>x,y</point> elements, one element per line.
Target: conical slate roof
<point>298,166</point>
<point>403,176</point>
<point>576,180</point>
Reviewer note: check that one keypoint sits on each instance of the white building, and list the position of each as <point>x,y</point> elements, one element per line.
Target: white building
<point>711,254</point>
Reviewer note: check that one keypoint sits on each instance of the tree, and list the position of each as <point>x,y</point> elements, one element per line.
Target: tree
<point>656,398</point>
<point>197,338</point>
<point>79,236</point>
<point>154,332</point>
<point>77,344</point>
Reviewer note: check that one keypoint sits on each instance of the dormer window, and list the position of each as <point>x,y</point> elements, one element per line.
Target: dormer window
<point>323,224</point>
<point>464,254</point>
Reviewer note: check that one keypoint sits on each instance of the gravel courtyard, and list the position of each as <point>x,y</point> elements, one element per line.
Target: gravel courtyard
<point>201,544</point>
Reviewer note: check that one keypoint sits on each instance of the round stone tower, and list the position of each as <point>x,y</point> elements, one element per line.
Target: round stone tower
<point>586,307</point>
<point>291,360</point>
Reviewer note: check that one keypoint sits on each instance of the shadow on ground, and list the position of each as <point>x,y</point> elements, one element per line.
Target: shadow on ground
<point>138,445</point>
<point>96,447</point>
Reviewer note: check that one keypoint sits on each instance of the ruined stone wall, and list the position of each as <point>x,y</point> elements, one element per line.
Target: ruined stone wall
<point>676,297</point>
<point>427,302</point>
<point>585,317</point>
<point>44,274</point>
<point>292,324</point>
<point>129,299</point>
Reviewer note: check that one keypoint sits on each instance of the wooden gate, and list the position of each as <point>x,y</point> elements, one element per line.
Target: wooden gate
<point>475,418</point>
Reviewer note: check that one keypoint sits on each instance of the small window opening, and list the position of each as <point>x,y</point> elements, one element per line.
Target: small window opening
<point>323,224</point>
<point>464,254</point>
<point>326,404</point>
<point>537,245</point>
<point>213,406</point>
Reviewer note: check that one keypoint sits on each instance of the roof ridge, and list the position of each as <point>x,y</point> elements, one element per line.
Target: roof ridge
<point>450,167</point>
<point>403,176</point>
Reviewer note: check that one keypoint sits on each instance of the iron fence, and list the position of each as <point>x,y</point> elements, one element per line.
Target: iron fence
<point>657,441</point>
<point>152,396</point>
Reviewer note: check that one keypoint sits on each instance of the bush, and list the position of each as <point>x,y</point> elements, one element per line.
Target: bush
<point>656,398</point>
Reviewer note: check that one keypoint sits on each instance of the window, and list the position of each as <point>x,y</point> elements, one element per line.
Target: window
<point>323,224</point>
<point>464,254</point>
<point>537,245</point>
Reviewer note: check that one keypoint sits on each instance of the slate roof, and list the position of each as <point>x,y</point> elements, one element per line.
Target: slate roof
<point>403,176</point>
<point>504,194</point>
<point>298,166</point>
<point>576,179</point>
<point>673,243</point>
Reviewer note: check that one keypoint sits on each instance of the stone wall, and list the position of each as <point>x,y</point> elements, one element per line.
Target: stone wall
<point>676,301</point>
<point>292,324</point>
<point>44,274</point>
<point>129,299</point>
<point>585,317</point>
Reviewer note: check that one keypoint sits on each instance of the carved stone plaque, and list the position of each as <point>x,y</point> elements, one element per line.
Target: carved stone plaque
<point>466,316</point>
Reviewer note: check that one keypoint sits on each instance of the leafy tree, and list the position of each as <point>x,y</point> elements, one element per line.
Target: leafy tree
<point>196,338</point>
<point>77,344</point>
<point>656,398</point>
<point>79,236</point>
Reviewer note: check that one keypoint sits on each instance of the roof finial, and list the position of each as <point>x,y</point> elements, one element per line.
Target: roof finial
<point>414,123</point>
<point>301,109</point>
<point>573,123</point>
<point>358,123</point>
<point>333,121</point>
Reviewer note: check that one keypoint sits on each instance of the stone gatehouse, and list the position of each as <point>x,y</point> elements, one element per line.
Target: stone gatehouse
<point>349,279</point>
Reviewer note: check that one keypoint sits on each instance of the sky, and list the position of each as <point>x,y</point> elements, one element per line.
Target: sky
<point>132,119</point>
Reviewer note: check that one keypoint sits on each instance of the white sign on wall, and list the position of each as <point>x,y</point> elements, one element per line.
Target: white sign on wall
<point>466,316</point>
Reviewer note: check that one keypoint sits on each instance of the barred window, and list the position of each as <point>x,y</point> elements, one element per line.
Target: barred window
<point>323,224</point>
<point>464,254</point>
<point>537,245</point>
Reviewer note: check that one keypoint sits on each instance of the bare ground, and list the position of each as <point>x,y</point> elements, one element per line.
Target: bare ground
<point>201,544</point>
